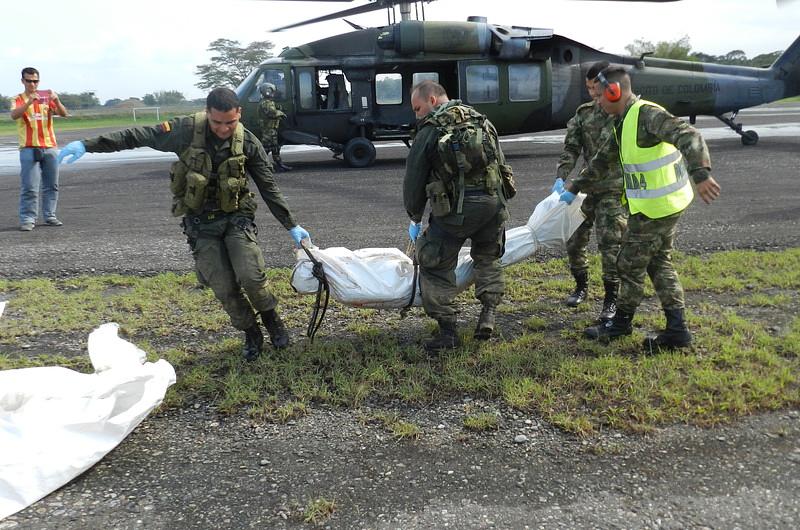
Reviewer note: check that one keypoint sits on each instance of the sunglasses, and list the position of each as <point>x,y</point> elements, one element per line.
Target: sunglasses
<point>30,80</point>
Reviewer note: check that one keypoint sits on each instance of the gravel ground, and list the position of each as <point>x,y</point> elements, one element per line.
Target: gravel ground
<point>194,468</point>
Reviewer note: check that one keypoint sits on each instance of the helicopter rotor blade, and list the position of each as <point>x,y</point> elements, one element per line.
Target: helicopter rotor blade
<point>366,8</point>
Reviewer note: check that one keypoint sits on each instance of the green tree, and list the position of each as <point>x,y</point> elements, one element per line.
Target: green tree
<point>163,97</point>
<point>84,100</point>
<point>231,62</point>
<point>5,103</point>
<point>679,49</point>
<point>765,59</point>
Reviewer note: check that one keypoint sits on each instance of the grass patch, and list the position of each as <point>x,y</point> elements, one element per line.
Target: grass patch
<point>481,422</point>
<point>742,308</point>
<point>319,510</point>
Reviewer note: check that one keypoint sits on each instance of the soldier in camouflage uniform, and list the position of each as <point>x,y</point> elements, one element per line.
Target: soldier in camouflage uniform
<point>209,189</point>
<point>473,211</point>
<point>602,206</point>
<point>271,117</point>
<point>658,153</point>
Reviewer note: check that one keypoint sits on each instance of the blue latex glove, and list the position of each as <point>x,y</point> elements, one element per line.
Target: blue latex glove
<point>73,150</point>
<point>299,233</point>
<point>558,186</point>
<point>413,230</point>
<point>567,197</point>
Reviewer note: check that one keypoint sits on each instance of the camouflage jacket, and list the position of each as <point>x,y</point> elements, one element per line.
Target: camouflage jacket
<point>585,132</point>
<point>657,125</point>
<point>420,165</point>
<point>270,114</point>
<point>176,136</point>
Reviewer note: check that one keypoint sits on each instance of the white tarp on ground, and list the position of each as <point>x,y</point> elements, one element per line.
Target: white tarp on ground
<point>382,278</point>
<point>56,423</point>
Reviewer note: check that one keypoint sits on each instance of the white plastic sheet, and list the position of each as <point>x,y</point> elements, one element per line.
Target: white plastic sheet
<point>382,278</point>
<point>56,423</point>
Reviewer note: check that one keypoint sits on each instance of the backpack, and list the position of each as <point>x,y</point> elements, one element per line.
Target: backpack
<point>467,157</point>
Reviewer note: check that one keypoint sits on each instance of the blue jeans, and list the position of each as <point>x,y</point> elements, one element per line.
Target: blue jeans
<point>32,179</point>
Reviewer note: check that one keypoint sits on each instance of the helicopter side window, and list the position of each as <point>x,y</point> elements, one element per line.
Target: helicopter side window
<point>482,83</point>
<point>307,86</point>
<point>423,76</point>
<point>524,82</point>
<point>388,89</point>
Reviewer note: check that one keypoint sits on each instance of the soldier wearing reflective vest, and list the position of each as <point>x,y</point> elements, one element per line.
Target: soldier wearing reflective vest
<point>659,154</point>
<point>209,185</point>
<point>456,165</point>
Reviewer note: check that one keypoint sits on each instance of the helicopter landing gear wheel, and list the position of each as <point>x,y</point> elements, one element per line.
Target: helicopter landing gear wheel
<point>749,138</point>
<point>359,152</point>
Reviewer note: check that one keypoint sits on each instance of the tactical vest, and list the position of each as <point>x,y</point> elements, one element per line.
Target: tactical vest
<point>656,180</point>
<point>195,187</point>
<point>270,115</point>
<point>467,157</point>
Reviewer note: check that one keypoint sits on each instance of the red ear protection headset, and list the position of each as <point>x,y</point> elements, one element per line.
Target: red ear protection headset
<point>612,91</point>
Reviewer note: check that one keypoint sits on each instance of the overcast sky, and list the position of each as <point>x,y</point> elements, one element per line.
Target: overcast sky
<point>120,49</point>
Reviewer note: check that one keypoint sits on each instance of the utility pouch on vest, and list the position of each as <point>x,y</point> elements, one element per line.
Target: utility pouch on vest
<point>229,189</point>
<point>177,178</point>
<point>507,177</point>
<point>195,194</point>
<point>439,198</point>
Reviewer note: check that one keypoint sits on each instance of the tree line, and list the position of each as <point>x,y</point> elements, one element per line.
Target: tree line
<point>231,63</point>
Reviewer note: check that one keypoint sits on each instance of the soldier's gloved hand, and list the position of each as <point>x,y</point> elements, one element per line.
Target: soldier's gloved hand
<point>558,186</point>
<point>73,150</point>
<point>413,230</point>
<point>567,197</point>
<point>299,233</point>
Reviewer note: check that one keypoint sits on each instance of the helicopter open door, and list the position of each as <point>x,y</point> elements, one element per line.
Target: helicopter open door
<point>516,95</point>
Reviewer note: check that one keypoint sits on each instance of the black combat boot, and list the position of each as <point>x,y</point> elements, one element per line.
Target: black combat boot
<point>609,302</point>
<point>612,329</point>
<point>581,288</point>
<point>446,338</point>
<point>485,327</point>
<point>278,335</point>
<point>677,335</point>
<point>253,342</point>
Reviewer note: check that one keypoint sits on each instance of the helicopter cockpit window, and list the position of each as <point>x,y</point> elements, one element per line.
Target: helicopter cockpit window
<point>270,75</point>
<point>388,89</point>
<point>423,76</point>
<point>482,83</point>
<point>524,82</point>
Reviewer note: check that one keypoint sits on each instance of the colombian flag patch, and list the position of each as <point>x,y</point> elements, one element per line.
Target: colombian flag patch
<point>164,127</point>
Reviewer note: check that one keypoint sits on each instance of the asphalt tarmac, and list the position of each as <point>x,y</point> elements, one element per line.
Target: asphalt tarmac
<point>116,211</point>
<point>192,468</point>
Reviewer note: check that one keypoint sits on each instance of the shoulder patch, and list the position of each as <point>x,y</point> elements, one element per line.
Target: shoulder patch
<point>164,127</point>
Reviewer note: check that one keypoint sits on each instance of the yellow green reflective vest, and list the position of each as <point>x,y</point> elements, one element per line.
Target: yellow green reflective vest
<point>656,180</point>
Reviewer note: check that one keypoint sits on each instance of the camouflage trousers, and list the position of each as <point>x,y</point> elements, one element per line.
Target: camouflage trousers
<point>437,253</point>
<point>272,144</point>
<point>647,251</point>
<point>609,217</point>
<point>228,260</point>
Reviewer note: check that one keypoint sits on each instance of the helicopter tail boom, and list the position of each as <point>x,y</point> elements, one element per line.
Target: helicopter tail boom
<point>787,68</point>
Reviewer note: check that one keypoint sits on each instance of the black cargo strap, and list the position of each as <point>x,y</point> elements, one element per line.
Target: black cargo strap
<point>456,152</point>
<point>316,317</point>
<point>411,248</point>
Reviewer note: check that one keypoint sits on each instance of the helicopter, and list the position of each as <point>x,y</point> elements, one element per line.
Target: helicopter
<point>348,91</point>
